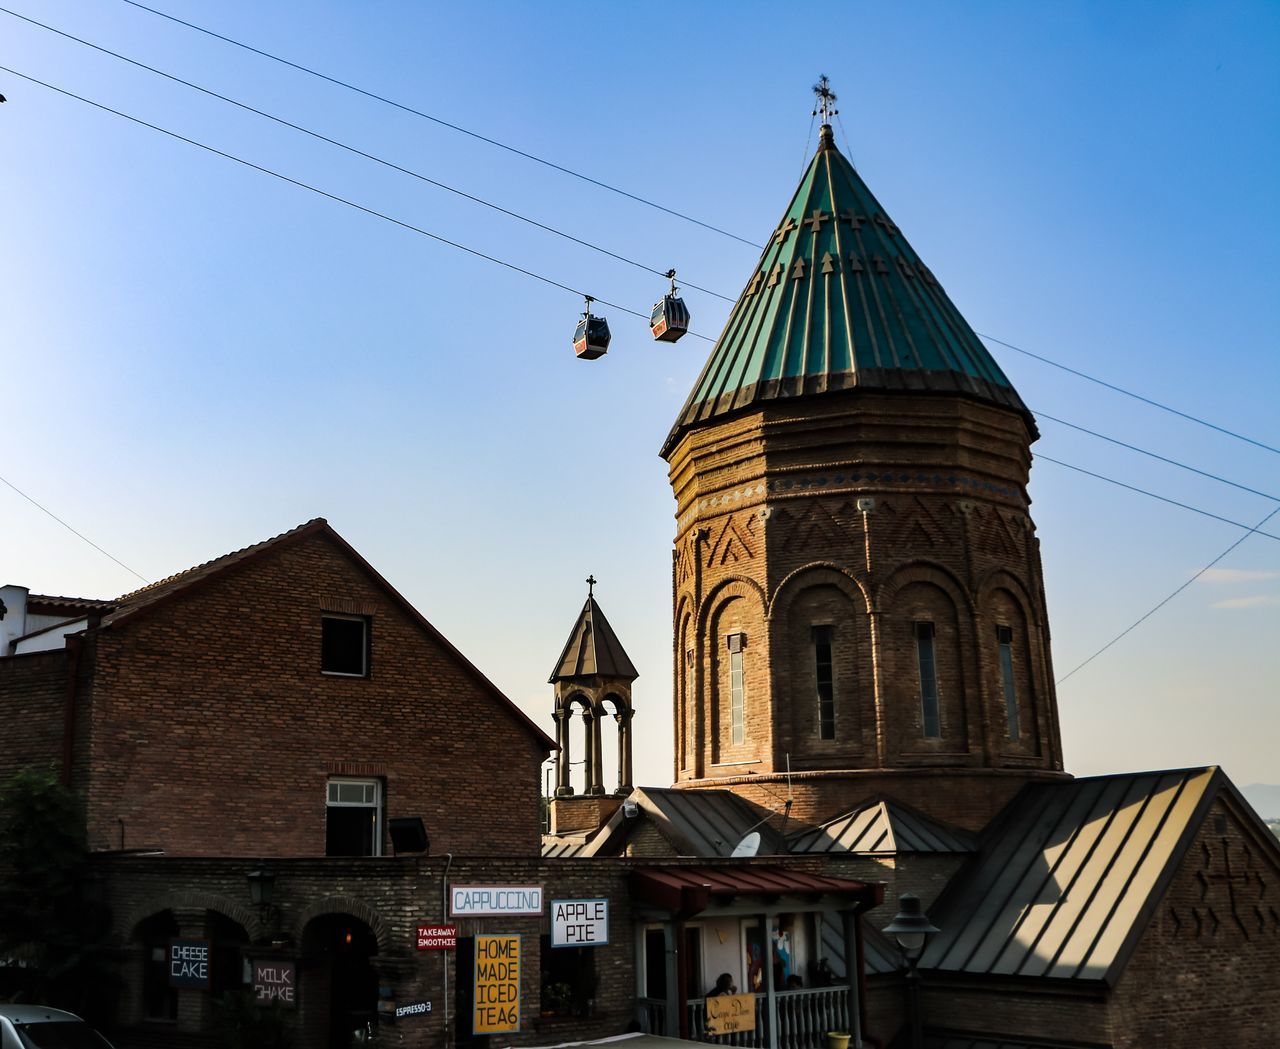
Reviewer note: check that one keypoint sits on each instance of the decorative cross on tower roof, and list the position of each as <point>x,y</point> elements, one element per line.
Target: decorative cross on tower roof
<point>591,585</point>
<point>826,104</point>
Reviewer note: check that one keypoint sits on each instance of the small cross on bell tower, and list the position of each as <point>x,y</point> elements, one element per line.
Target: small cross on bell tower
<point>825,107</point>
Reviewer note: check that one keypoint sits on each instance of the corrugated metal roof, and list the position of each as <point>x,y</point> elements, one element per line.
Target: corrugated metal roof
<point>696,822</point>
<point>561,848</point>
<point>883,827</point>
<point>879,952</point>
<point>695,888</point>
<point>840,300</point>
<point>1066,880</point>
<point>593,649</point>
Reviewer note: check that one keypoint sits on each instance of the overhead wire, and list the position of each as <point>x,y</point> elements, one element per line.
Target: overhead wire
<point>1154,455</point>
<point>670,211</point>
<point>441,121</point>
<point>1147,615</point>
<point>78,535</point>
<point>1164,499</point>
<point>336,198</point>
<point>357,151</point>
<point>1130,393</point>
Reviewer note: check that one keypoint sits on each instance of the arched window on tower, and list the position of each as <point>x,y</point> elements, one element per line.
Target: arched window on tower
<point>824,679</point>
<point>931,726</point>
<point>737,690</point>
<point>1004,638</point>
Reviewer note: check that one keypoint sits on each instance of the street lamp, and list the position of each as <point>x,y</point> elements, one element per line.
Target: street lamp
<point>262,883</point>
<point>911,927</point>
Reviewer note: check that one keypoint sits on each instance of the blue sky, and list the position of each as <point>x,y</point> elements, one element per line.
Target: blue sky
<point>196,356</point>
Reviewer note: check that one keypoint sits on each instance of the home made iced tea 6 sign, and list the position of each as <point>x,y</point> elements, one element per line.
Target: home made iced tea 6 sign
<point>496,1008</point>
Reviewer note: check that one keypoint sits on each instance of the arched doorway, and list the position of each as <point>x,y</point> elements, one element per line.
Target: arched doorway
<point>159,1001</point>
<point>340,984</point>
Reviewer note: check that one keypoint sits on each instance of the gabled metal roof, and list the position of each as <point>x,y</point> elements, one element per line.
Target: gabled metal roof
<point>696,822</point>
<point>882,827</point>
<point>840,300</point>
<point>593,649</point>
<point>1067,879</point>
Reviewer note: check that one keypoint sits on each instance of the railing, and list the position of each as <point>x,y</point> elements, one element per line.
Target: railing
<point>804,1018</point>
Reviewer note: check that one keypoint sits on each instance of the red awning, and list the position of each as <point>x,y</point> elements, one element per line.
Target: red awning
<point>691,890</point>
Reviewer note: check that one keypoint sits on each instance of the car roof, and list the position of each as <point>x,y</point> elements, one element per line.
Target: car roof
<point>29,1014</point>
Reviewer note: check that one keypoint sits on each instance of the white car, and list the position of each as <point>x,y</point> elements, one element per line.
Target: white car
<point>39,1027</point>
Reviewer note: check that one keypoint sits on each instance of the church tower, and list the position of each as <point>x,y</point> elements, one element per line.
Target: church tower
<point>858,602</point>
<point>592,679</point>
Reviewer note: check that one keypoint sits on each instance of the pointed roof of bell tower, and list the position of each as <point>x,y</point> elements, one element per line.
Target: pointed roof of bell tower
<point>593,649</point>
<point>840,300</point>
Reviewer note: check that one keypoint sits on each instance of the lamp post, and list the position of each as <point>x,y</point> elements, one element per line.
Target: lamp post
<point>262,883</point>
<point>911,928</point>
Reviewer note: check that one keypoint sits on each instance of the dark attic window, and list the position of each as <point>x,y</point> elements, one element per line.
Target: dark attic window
<point>344,645</point>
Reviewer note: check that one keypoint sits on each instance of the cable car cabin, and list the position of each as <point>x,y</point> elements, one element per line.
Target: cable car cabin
<point>670,319</point>
<point>591,340</point>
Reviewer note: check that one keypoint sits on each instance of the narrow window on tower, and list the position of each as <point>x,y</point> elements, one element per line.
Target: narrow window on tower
<point>825,682</point>
<point>1004,636</point>
<point>928,681</point>
<point>737,726</point>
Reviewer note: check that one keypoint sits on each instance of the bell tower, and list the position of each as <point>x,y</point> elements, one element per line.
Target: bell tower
<point>592,680</point>
<point>858,600</point>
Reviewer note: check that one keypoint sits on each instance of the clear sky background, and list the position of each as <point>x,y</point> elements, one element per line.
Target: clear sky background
<point>195,356</point>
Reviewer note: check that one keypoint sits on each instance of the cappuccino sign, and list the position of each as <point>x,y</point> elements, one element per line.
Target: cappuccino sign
<point>472,901</point>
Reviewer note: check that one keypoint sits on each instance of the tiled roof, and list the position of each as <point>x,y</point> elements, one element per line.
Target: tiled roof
<point>840,300</point>
<point>882,827</point>
<point>1068,877</point>
<point>71,607</point>
<point>593,649</point>
<point>696,822</point>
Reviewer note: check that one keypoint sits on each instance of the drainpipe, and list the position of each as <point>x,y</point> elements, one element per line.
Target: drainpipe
<point>74,644</point>
<point>444,955</point>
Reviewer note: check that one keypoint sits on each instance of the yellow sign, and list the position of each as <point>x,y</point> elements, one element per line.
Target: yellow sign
<point>729,1013</point>
<point>496,1005</point>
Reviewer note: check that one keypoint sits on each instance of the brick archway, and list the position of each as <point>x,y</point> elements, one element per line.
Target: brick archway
<point>192,901</point>
<point>357,908</point>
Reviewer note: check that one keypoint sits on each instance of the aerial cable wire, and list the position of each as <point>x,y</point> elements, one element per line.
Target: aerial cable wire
<point>1130,393</point>
<point>642,200</point>
<point>78,535</point>
<point>1154,455</point>
<point>442,122</point>
<point>356,151</point>
<point>337,199</point>
<point>510,265</point>
<point>1164,499</point>
<point>1143,618</point>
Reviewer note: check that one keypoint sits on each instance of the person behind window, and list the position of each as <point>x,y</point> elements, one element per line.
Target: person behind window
<point>724,985</point>
<point>794,982</point>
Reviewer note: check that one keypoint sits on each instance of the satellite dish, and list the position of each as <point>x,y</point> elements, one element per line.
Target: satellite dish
<point>747,847</point>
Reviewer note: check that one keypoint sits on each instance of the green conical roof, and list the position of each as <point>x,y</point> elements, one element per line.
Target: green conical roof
<point>840,300</point>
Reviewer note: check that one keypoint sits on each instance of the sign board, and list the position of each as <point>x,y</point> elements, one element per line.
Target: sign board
<point>496,1003</point>
<point>275,980</point>
<point>475,900</point>
<point>437,937</point>
<point>412,1009</point>
<point>189,963</point>
<point>579,923</point>
<point>730,1013</point>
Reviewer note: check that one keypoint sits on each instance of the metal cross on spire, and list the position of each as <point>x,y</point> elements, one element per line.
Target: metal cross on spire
<point>826,103</point>
<point>591,585</point>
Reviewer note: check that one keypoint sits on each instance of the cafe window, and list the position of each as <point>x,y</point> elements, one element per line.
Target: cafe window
<point>344,645</point>
<point>159,1000</point>
<point>568,980</point>
<point>353,818</point>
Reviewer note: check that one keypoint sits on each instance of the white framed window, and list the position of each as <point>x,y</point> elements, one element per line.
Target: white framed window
<point>353,817</point>
<point>344,645</point>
